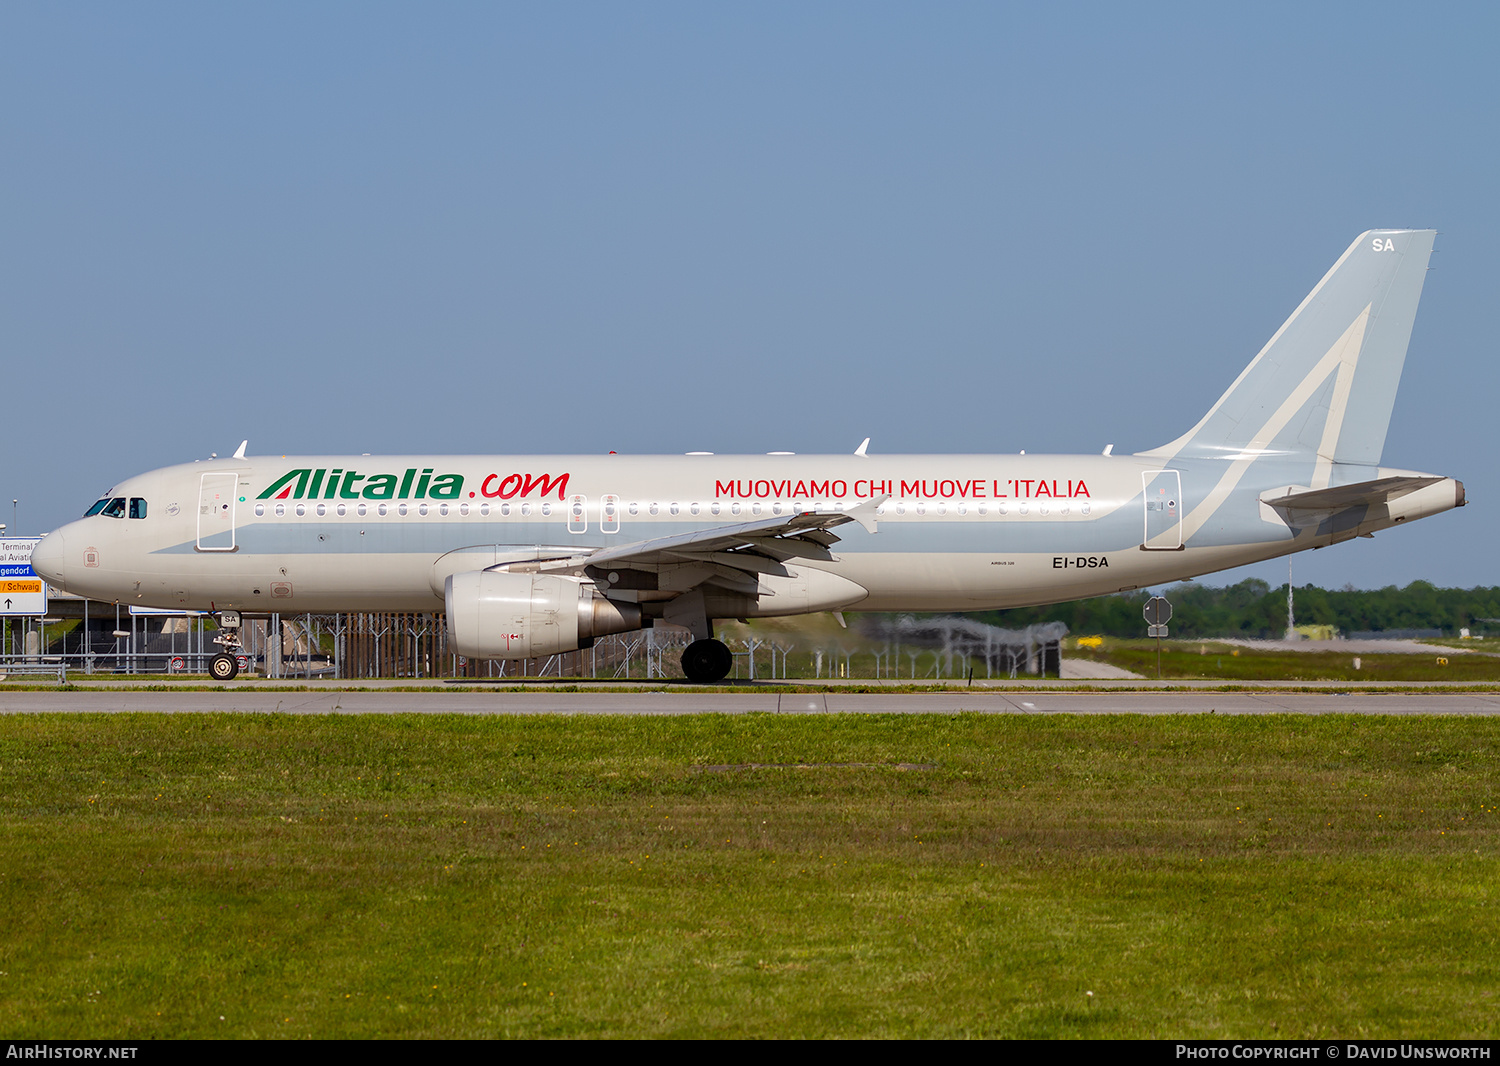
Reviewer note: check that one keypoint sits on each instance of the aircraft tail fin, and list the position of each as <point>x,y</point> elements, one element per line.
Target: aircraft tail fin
<point>1323,386</point>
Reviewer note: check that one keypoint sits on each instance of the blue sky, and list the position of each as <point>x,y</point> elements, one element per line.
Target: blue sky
<point>737,228</point>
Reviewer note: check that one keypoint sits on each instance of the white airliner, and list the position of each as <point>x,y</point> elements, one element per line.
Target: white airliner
<point>534,555</point>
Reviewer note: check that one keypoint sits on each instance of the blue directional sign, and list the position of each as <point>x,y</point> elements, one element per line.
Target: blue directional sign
<point>22,592</point>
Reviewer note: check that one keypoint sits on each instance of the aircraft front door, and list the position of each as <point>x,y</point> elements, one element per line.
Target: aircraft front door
<point>216,498</point>
<point>1163,499</point>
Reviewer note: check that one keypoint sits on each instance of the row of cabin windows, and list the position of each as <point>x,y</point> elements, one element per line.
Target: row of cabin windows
<point>117,507</point>
<point>505,509</point>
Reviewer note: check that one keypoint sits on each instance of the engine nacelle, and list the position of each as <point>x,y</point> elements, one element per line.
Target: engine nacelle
<point>499,615</point>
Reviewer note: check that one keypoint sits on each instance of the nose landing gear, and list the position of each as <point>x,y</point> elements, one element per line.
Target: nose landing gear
<point>223,667</point>
<point>226,664</point>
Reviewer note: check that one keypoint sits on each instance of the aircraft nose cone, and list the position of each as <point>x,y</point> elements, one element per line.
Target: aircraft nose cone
<point>47,559</point>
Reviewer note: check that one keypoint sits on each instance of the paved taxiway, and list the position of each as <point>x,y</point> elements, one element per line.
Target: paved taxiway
<point>463,700</point>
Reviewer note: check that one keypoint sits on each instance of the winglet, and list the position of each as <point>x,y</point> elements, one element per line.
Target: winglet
<point>860,451</point>
<point>240,452</point>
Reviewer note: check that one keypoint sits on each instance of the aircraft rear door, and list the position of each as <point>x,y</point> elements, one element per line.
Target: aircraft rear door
<point>1163,501</point>
<point>216,498</point>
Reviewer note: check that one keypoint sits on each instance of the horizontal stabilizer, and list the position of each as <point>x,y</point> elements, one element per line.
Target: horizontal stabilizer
<point>1382,490</point>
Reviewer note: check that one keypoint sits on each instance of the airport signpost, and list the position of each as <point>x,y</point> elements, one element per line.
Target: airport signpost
<point>1158,612</point>
<point>22,592</point>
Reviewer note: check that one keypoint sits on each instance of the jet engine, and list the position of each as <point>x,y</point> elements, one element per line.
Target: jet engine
<point>500,615</point>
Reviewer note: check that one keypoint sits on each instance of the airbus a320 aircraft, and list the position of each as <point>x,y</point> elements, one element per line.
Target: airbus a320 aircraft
<point>537,555</point>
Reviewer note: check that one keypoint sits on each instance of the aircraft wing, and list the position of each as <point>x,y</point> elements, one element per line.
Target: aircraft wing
<point>731,556</point>
<point>803,535</point>
<point>1382,490</point>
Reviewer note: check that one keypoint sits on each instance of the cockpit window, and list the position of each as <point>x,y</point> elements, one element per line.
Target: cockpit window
<point>114,508</point>
<point>137,507</point>
<point>101,505</point>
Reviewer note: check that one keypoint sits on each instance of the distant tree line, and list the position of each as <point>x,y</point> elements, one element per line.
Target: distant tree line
<point>1254,609</point>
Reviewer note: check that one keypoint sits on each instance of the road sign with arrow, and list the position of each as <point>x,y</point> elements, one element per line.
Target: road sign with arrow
<point>22,592</point>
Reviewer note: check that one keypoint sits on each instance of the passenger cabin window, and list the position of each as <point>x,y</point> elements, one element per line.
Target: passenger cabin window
<point>137,507</point>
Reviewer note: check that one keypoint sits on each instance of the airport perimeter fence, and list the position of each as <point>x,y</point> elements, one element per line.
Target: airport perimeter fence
<point>355,646</point>
<point>414,646</point>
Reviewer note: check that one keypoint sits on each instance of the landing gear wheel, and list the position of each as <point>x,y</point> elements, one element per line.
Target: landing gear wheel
<point>223,667</point>
<point>707,661</point>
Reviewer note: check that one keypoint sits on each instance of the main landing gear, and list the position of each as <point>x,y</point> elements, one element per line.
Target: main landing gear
<point>707,661</point>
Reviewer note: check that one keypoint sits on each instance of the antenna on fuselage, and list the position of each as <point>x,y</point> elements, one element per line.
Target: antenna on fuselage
<point>860,451</point>
<point>240,451</point>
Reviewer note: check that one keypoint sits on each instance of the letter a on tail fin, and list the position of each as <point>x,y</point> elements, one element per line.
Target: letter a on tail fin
<point>1322,388</point>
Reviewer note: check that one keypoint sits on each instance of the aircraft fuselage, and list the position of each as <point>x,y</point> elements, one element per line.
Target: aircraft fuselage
<point>954,533</point>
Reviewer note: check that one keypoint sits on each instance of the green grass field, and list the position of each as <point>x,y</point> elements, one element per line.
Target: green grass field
<point>748,875</point>
<point>1211,660</point>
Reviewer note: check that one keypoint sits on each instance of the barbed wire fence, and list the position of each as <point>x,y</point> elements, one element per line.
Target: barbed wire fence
<point>415,645</point>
